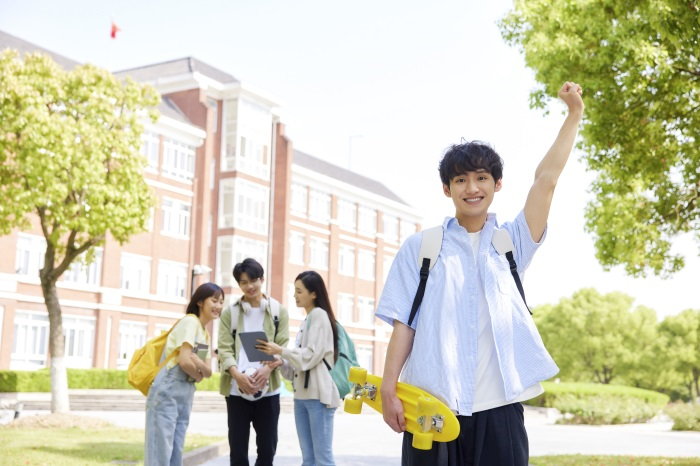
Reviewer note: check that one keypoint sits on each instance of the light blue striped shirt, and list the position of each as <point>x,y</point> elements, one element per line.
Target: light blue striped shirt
<point>443,360</point>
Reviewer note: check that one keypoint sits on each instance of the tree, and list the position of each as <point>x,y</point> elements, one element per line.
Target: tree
<point>69,161</point>
<point>638,63</point>
<point>594,337</point>
<point>682,335</point>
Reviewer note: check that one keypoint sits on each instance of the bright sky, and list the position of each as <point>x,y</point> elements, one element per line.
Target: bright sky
<point>392,83</point>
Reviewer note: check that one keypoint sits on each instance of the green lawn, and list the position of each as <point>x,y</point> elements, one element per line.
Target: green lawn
<point>96,445</point>
<point>595,460</point>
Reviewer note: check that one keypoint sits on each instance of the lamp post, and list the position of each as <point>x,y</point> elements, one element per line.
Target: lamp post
<point>198,270</point>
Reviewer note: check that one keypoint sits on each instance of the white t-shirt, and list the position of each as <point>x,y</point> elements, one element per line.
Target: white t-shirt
<point>489,391</point>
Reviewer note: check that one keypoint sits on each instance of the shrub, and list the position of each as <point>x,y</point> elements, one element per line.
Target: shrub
<point>686,416</point>
<point>587,403</point>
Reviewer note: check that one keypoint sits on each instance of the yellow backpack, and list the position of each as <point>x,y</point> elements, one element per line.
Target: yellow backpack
<point>144,365</point>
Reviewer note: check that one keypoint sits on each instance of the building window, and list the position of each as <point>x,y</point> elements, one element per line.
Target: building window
<point>31,341</point>
<point>347,215</point>
<point>30,253</point>
<point>319,253</point>
<point>176,218</point>
<point>364,357</point>
<point>367,221</point>
<point>298,202</point>
<point>390,226</point>
<point>365,308</point>
<point>255,126</point>
<point>365,265</point>
<point>407,229</point>
<point>150,150</point>
<point>178,160</point>
<point>346,260</point>
<point>246,247</point>
<point>132,336</point>
<point>224,265</point>
<point>251,206</point>
<point>135,273</point>
<point>346,307</point>
<point>386,266</point>
<point>82,274</point>
<point>319,206</point>
<point>227,189</point>
<point>79,335</point>
<point>230,126</point>
<point>172,279</point>
<point>214,106</point>
<point>296,247</point>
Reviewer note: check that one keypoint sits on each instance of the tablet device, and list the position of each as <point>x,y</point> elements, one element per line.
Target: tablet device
<point>249,340</point>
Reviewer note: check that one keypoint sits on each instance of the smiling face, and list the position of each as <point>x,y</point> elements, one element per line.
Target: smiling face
<point>472,194</point>
<point>252,288</point>
<point>210,308</point>
<point>303,297</point>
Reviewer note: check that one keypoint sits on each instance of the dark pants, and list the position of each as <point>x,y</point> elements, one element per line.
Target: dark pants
<point>495,437</point>
<point>264,414</point>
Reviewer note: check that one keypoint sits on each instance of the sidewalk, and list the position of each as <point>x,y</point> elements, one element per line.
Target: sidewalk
<point>364,440</point>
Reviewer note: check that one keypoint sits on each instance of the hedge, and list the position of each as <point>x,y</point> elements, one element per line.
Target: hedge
<point>588,403</point>
<point>686,416</point>
<point>40,381</point>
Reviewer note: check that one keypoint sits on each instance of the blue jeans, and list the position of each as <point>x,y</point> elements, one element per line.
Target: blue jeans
<point>168,409</point>
<point>315,430</point>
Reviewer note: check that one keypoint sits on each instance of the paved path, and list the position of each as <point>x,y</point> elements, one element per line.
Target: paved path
<point>365,440</point>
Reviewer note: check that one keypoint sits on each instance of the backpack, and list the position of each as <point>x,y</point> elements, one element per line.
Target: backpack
<point>431,244</point>
<point>346,359</point>
<point>146,361</point>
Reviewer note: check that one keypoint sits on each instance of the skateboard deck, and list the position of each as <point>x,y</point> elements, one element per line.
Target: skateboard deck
<point>427,418</point>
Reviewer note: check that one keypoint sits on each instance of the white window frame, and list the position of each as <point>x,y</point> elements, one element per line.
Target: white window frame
<point>318,257</point>
<point>299,200</point>
<point>367,221</point>
<point>297,242</point>
<point>251,206</point>
<point>79,333</point>
<point>390,228</point>
<point>30,344</point>
<point>29,255</point>
<point>227,202</point>
<point>319,206</point>
<point>366,263</point>
<point>224,260</point>
<point>135,273</point>
<point>346,260</point>
<point>132,336</point>
<point>365,310</point>
<point>178,160</point>
<point>172,279</point>
<point>347,215</point>
<point>176,218</point>
<point>406,229</point>
<point>85,275</point>
<point>346,307</point>
<point>150,148</point>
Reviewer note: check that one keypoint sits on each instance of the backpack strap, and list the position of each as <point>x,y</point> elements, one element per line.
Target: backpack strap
<point>235,309</point>
<point>503,244</point>
<point>430,246</point>
<point>275,310</point>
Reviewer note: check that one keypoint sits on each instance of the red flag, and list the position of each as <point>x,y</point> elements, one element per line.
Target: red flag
<point>115,29</point>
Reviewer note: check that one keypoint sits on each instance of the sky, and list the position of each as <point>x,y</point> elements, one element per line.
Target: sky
<point>382,88</point>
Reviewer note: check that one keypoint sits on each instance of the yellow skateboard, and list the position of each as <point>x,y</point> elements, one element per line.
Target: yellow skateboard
<point>427,418</point>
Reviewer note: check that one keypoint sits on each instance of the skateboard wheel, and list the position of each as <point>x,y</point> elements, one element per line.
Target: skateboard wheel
<point>427,406</point>
<point>353,406</point>
<point>357,375</point>
<point>422,441</point>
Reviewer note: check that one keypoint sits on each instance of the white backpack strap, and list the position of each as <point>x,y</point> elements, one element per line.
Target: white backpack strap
<point>235,310</point>
<point>275,311</point>
<point>502,241</point>
<point>431,243</point>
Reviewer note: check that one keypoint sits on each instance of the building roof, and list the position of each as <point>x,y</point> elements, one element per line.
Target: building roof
<point>8,41</point>
<point>176,68</point>
<point>167,107</point>
<point>346,176</point>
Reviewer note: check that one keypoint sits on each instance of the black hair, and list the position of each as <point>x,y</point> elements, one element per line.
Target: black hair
<point>470,157</point>
<point>248,266</point>
<point>314,283</point>
<point>204,291</point>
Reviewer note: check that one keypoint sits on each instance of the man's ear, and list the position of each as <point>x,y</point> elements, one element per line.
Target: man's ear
<point>262,280</point>
<point>446,190</point>
<point>498,186</point>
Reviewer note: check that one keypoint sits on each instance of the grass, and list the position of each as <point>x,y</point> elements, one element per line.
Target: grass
<point>61,446</point>
<point>599,460</point>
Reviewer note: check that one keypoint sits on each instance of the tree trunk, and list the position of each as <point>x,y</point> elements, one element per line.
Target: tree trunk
<point>59,376</point>
<point>696,377</point>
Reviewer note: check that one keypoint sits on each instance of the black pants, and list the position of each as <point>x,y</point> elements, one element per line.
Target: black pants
<point>264,414</point>
<point>495,437</point>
